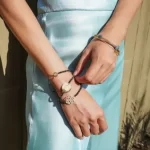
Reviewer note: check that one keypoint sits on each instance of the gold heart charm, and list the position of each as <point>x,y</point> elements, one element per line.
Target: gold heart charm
<point>66,87</point>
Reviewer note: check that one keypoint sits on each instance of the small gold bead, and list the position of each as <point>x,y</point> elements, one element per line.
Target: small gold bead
<point>117,52</point>
<point>55,74</point>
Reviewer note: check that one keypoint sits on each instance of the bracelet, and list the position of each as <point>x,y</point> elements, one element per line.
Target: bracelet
<point>55,74</point>
<point>70,99</point>
<point>66,87</point>
<point>102,39</point>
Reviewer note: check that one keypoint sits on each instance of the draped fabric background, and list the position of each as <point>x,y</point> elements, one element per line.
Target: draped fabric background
<point>135,112</point>
<point>135,121</point>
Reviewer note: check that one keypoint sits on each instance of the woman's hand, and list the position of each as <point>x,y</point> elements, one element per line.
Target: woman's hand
<point>103,61</point>
<point>85,116</point>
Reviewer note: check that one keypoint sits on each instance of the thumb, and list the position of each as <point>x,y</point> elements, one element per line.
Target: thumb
<point>82,62</point>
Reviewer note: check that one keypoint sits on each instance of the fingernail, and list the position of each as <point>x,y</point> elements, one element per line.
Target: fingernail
<point>75,73</point>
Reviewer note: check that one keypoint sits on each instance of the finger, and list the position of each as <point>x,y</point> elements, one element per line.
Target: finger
<point>77,131</point>
<point>94,128</point>
<point>102,124</point>
<point>89,76</point>
<point>85,130</point>
<point>82,62</point>
<point>107,73</point>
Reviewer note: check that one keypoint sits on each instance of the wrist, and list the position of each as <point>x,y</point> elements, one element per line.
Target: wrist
<point>113,33</point>
<point>61,79</point>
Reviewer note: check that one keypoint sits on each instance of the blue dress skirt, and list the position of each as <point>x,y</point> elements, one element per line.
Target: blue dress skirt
<point>69,25</point>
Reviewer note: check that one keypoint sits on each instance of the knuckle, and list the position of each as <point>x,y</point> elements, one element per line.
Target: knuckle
<point>83,121</point>
<point>92,119</point>
<point>72,122</point>
<point>101,113</point>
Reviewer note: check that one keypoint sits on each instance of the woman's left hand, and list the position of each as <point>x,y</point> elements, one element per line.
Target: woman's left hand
<point>103,61</point>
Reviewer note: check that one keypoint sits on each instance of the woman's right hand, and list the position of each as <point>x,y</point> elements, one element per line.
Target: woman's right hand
<point>85,116</point>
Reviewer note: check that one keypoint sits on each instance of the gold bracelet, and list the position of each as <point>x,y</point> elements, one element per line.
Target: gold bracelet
<point>102,39</point>
<point>70,99</point>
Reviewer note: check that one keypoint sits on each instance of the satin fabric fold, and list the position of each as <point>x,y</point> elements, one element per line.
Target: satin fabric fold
<point>89,5</point>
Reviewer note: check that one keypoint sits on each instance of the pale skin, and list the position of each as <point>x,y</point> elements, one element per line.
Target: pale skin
<point>102,55</point>
<point>28,31</point>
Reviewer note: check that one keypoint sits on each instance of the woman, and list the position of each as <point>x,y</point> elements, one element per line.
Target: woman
<point>75,115</point>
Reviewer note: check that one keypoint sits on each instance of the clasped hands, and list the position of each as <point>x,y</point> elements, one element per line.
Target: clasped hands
<point>85,116</point>
<point>103,61</point>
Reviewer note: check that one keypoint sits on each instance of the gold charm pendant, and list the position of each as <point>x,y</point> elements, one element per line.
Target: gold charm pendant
<point>66,87</point>
<point>117,52</point>
<point>68,100</point>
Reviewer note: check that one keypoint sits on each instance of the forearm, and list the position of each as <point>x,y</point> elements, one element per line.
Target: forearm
<point>116,28</point>
<point>25,26</point>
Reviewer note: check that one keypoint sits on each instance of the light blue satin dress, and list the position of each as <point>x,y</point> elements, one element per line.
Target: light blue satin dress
<point>69,25</point>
